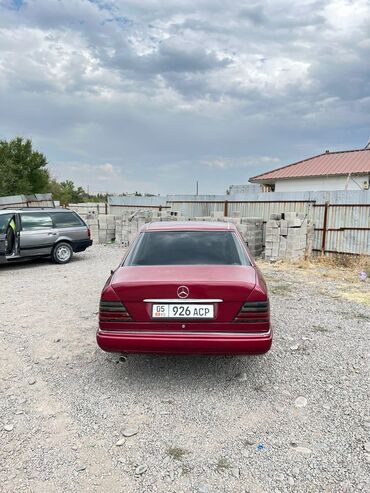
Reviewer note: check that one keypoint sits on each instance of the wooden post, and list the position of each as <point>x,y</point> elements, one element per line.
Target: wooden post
<point>325,228</point>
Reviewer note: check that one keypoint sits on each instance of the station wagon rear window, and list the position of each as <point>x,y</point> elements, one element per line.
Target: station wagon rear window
<point>187,248</point>
<point>66,219</point>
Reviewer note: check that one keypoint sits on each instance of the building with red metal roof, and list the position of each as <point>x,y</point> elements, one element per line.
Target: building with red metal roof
<point>340,170</point>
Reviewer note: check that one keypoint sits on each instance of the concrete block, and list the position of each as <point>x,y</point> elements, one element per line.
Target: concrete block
<point>272,224</point>
<point>290,216</point>
<point>294,223</point>
<point>294,232</point>
<point>275,216</point>
<point>258,221</point>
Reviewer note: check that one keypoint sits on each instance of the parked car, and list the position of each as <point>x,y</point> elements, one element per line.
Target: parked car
<point>186,287</point>
<point>42,232</point>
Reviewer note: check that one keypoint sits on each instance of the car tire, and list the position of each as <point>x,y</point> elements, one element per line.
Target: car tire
<point>62,253</point>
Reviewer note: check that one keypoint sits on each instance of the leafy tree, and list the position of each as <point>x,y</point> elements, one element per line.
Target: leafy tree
<point>67,193</point>
<point>22,169</point>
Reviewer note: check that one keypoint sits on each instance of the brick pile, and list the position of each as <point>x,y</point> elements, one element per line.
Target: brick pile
<point>288,236</point>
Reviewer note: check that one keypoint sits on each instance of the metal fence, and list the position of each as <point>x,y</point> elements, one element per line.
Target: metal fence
<point>342,228</point>
<point>339,227</point>
<point>33,200</point>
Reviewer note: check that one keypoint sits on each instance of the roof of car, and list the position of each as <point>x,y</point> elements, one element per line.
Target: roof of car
<point>34,209</point>
<point>189,226</point>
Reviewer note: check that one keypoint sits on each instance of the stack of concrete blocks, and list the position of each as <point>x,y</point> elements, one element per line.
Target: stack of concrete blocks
<point>107,228</point>
<point>94,228</point>
<point>287,236</point>
<point>310,234</point>
<point>251,229</point>
<point>122,231</point>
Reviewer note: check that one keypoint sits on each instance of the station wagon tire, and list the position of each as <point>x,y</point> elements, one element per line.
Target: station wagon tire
<point>62,253</point>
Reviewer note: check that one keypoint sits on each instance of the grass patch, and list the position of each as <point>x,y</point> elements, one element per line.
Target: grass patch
<point>177,453</point>
<point>223,465</point>
<point>357,296</point>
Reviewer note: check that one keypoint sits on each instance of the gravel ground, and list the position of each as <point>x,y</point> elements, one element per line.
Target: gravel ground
<point>75,419</point>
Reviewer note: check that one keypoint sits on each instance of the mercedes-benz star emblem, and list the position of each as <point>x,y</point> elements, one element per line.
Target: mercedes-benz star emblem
<point>182,291</point>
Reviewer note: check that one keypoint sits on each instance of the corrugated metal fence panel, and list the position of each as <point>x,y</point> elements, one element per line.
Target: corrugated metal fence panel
<point>33,200</point>
<point>334,197</point>
<point>135,201</point>
<point>247,209</point>
<point>317,240</point>
<point>196,209</point>
<point>349,216</point>
<point>348,229</point>
<point>347,241</point>
<point>265,209</point>
<point>318,212</point>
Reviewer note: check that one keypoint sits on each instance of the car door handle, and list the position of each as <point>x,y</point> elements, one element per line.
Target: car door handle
<point>52,234</point>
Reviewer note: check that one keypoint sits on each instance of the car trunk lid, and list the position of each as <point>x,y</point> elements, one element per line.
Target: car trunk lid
<point>138,287</point>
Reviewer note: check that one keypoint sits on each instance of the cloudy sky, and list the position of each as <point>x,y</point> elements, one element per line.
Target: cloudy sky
<point>153,95</point>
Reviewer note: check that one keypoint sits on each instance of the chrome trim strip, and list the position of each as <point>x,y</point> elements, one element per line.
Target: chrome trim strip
<point>177,332</point>
<point>180,301</point>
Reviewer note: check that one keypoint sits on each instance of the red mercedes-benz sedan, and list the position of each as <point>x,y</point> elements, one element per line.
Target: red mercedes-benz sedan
<point>186,288</point>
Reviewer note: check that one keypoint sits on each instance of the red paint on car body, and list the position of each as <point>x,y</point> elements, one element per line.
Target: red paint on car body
<point>241,323</point>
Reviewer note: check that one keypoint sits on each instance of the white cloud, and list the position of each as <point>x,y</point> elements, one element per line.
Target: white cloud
<point>134,87</point>
<point>107,168</point>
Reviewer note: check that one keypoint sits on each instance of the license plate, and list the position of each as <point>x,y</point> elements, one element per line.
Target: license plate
<point>182,311</point>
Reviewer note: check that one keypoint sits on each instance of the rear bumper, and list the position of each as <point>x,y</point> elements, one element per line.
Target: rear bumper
<point>81,245</point>
<point>183,342</point>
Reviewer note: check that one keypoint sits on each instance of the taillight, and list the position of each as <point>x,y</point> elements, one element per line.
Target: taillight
<point>113,311</point>
<point>89,232</point>
<point>254,312</point>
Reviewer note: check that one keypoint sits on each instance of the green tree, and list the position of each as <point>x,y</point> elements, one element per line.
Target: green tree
<point>22,169</point>
<point>67,193</point>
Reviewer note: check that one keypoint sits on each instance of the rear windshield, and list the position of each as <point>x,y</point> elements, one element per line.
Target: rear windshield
<point>187,248</point>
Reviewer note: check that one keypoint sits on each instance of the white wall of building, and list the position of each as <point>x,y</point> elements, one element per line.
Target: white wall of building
<point>322,183</point>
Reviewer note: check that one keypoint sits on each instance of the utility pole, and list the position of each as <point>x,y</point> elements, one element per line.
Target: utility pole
<point>197,188</point>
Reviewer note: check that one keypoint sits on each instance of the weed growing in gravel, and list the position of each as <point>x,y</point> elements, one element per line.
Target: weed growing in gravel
<point>280,289</point>
<point>185,470</point>
<point>359,316</point>
<point>319,328</point>
<point>176,453</point>
<point>222,464</point>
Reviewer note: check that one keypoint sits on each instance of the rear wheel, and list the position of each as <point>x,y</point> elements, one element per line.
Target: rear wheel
<point>62,253</point>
